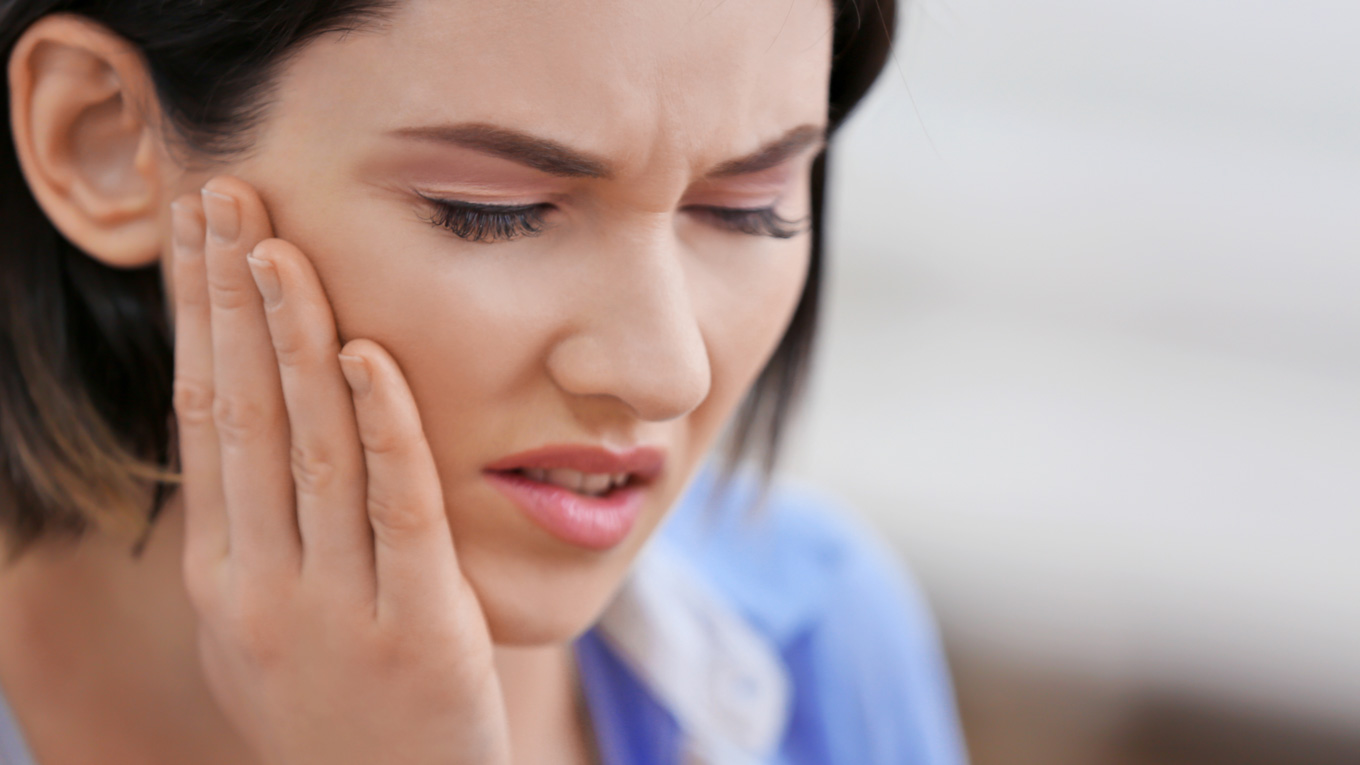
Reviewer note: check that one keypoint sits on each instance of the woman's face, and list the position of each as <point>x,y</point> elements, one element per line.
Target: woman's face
<point>637,315</point>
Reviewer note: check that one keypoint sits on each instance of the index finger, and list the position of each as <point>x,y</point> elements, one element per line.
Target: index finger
<point>413,551</point>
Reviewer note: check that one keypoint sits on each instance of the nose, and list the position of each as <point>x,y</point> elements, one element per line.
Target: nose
<point>636,336</point>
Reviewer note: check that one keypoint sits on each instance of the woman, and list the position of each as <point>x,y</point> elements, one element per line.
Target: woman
<point>462,293</point>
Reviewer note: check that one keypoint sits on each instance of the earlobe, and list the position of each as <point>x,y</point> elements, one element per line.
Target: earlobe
<point>78,95</point>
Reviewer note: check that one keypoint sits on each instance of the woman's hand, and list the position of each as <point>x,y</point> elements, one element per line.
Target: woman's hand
<point>335,624</point>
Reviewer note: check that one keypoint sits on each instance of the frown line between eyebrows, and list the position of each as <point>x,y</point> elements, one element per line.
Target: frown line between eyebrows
<point>554,158</point>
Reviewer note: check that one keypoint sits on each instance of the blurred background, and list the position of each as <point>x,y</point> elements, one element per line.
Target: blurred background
<point>1092,363</point>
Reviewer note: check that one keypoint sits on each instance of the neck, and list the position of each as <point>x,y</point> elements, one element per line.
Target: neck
<point>83,623</point>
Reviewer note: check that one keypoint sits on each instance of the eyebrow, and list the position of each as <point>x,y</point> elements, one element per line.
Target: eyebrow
<point>772,154</point>
<point>554,158</point>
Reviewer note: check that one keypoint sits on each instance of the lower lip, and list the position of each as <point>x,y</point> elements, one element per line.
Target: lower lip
<point>595,523</point>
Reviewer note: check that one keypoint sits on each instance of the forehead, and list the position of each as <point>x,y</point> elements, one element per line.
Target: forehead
<point>629,79</point>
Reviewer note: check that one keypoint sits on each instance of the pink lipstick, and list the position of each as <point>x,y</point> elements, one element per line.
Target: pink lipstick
<point>584,495</point>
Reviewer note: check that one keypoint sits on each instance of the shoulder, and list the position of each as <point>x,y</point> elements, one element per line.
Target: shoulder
<point>792,562</point>
<point>850,623</point>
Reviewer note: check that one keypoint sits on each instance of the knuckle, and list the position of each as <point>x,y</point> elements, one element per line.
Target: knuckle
<point>394,518</point>
<point>238,418</point>
<point>291,347</point>
<point>186,280</point>
<point>255,631</point>
<point>396,655</point>
<point>193,401</point>
<point>313,468</point>
<point>388,441</point>
<point>232,295</point>
<point>301,347</point>
<point>200,583</point>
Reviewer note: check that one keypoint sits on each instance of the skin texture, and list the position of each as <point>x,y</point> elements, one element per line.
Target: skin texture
<point>636,317</point>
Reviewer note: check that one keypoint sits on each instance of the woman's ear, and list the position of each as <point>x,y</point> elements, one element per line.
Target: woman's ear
<point>83,120</point>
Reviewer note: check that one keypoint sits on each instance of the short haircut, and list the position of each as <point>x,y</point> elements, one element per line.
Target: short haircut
<point>86,351</point>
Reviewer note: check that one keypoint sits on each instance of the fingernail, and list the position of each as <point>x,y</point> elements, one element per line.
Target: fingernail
<point>184,230</point>
<point>224,219</point>
<point>266,279</point>
<point>356,372</point>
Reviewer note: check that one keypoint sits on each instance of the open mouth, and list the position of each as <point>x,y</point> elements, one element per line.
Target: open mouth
<point>585,484</point>
<point>583,494</point>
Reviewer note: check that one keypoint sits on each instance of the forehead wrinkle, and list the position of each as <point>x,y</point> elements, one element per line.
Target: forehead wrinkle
<point>655,99</point>
<point>694,127</point>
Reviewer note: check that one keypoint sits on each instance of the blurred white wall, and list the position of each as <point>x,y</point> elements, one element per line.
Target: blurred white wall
<point>1092,348</point>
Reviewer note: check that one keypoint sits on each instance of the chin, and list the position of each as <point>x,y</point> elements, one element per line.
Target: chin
<point>532,604</point>
<point>521,625</point>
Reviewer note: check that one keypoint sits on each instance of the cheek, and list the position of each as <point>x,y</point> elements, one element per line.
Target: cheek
<point>469,339</point>
<point>745,309</point>
<point>464,326</point>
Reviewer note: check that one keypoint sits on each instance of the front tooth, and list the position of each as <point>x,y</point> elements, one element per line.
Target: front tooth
<point>567,479</point>
<point>596,483</point>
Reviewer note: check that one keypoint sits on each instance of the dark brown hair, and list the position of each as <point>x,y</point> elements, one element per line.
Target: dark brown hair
<point>86,362</point>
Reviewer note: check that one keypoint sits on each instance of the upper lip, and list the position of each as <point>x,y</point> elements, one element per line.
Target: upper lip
<point>644,463</point>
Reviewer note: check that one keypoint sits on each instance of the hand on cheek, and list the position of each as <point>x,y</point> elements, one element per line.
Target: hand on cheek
<point>335,623</point>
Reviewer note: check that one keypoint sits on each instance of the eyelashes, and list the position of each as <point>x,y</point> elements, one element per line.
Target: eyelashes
<point>487,223</point>
<point>476,222</point>
<point>759,221</point>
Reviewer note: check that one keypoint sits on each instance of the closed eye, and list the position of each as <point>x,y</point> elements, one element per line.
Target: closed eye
<point>757,221</point>
<point>477,222</point>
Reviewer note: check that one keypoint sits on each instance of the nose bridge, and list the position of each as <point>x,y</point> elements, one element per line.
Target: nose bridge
<point>636,336</point>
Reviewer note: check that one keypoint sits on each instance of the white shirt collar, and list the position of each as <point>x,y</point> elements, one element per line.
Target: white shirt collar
<point>722,680</point>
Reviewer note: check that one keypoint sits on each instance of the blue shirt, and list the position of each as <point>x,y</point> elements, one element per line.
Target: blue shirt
<point>783,636</point>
